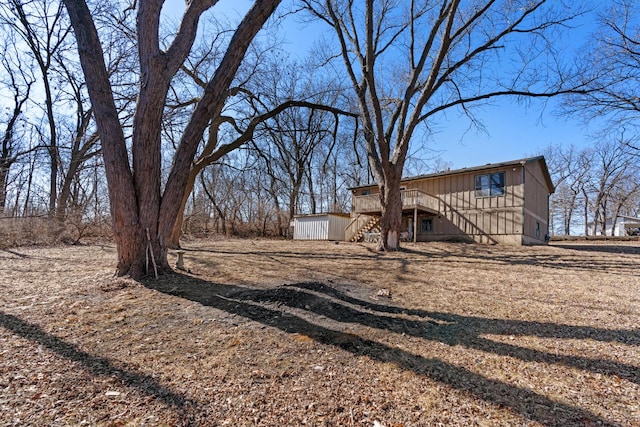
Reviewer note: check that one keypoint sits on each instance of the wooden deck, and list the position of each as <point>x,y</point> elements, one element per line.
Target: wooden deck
<point>411,199</point>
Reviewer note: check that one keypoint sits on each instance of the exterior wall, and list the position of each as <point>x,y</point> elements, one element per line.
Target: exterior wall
<point>320,227</point>
<point>536,212</point>
<point>511,218</point>
<point>481,219</point>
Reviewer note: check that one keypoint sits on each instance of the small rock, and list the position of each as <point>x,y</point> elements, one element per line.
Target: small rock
<point>384,293</point>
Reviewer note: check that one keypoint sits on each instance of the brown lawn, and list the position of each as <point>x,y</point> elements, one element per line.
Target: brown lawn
<point>281,333</point>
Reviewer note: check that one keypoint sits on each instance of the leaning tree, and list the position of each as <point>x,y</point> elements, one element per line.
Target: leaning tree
<point>408,61</point>
<point>143,208</point>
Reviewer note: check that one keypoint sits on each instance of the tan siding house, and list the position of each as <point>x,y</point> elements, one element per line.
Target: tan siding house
<point>505,203</point>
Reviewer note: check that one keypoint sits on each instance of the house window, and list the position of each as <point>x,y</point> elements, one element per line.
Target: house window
<point>537,229</point>
<point>426,225</point>
<point>489,185</point>
<point>366,192</point>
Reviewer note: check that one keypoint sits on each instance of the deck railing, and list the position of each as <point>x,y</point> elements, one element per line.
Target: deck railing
<point>413,198</point>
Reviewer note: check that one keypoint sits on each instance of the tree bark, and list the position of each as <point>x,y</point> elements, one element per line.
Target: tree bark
<point>391,209</point>
<point>128,233</point>
<point>586,212</point>
<point>569,212</point>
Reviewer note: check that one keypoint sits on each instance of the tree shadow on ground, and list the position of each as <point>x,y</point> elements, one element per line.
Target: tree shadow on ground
<point>269,307</point>
<point>12,252</point>
<point>97,365</point>
<point>627,267</point>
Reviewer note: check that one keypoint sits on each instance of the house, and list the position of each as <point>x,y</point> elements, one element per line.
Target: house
<point>625,226</point>
<point>506,203</point>
<point>327,226</point>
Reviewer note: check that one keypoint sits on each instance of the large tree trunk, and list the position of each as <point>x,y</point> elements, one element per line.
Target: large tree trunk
<point>127,231</point>
<point>391,204</point>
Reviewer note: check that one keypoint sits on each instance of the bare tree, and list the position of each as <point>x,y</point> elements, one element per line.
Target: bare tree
<point>143,211</point>
<point>624,195</point>
<point>610,68</point>
<point>408,61</point>
<point>19,83</point>
<point>41,38</point>
<point>251,104</point>
<point>83,138</point>
<point>570,170</point>
<point>331,170</point>
<point>42,28</point>
<point>289,141</point>
<point>613,168</point>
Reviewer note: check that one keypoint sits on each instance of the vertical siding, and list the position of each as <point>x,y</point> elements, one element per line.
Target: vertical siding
<point>337,224</point>
<point>510,218</point>
<point>310,228</point>
<point>320,227</point>
<point>483,219</point>
<point>536,203</point>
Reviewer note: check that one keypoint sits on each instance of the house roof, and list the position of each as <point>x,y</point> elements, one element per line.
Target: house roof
<point>488,166</point>
<point>626,220</point>
<point>341,214</point>
<point>629,218</point>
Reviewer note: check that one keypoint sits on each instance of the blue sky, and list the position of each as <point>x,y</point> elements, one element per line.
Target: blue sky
<point>513,131</point>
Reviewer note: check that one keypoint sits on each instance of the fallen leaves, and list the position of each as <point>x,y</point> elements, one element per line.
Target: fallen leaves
<point>475,335</point>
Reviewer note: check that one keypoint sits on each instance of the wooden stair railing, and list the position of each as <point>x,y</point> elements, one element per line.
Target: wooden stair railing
<point>373,222</point>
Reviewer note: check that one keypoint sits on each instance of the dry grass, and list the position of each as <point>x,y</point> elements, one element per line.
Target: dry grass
<point>294,333</point>
<point>40,231</point>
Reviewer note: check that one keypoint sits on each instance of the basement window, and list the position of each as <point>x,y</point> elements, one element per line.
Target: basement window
<point>426,225</point>
<point>490,185</point>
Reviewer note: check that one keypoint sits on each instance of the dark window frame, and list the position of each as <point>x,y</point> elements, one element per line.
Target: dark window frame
<point>490,184</point>
<point>426,225</point>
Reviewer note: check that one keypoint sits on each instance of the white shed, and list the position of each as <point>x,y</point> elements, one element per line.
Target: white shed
<point>328,226</point>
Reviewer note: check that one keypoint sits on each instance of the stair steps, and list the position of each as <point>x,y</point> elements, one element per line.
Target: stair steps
<point>370,225</point>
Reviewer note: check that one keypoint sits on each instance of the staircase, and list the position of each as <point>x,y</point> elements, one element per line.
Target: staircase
<point>366,228</point>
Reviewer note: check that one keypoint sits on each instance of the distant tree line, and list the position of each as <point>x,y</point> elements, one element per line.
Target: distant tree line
<point>594,186</point>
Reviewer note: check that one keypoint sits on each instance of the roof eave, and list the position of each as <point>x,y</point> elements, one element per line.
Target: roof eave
<point>477,169</point>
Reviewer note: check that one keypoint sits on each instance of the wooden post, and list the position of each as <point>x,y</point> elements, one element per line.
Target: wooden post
<point>415,224</point>
<point>180,262</point>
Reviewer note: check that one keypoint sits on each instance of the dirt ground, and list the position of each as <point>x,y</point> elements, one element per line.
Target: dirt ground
<point>282,333</point>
